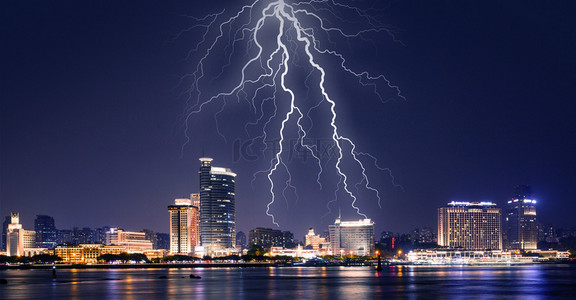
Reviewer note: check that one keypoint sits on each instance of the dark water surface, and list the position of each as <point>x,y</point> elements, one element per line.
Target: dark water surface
<point>521,282</point>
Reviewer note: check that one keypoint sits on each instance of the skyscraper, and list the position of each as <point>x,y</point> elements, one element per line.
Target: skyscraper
<point>470,225</point>
<point>521,225</point>
<point>183,226</point>
<point>5,224</point>
<point>352,237</point>
<point>217,208</point>
<point>46,233</point>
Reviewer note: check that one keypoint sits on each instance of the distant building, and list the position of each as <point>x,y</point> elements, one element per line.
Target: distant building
<point>183,226</point>
<point>240,240</point>
<point>100,235</point>
<point>268,238</point>
<point>288,240</point>
<point>316,241</point>
<point>521,224</point>
<point>46,232</point>
<point>83,236</point>
<point>470,226</point>
<point>217,209</point>
<point>195,199</point>
<point>423,235</point>
<point>151,236</point>
<point>387,239</point>
<point>65,236</point>
<point>130,240</point>
<point>265,237</point>
<point>5,224</point>
<point>163,241</point>
<point>352,237</point>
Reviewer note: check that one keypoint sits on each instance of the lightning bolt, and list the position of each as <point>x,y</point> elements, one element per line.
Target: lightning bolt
<point>263,82</point>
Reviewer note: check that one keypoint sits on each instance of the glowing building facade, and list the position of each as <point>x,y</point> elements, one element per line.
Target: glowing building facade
<point>183,226</point>
<point>217,208</point>
<point>17,238</point>
<point>352,237</point>
<point>85,253</point>
<point>130,240</point>
<point>315,240</point>
<point>470,226</point>
<point>521,224</point>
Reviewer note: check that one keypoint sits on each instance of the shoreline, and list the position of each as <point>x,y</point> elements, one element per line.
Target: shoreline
<point>138,266</point>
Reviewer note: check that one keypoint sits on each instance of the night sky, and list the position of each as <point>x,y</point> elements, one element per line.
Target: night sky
<point>92,114</point>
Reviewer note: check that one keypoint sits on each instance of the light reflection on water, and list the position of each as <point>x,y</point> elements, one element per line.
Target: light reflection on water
<point>294,282</point>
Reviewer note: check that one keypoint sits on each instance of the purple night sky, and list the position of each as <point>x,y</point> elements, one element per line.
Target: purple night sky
<point>92,114</point>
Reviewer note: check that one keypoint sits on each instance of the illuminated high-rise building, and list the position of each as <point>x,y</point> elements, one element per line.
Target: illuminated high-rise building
<point>521,224</point>
<point>217,208</point>
<point>470,226</point>
<point>352,237</point>
<point>183,226</point>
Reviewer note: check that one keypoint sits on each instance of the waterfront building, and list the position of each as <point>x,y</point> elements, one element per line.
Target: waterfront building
<point>352,237</point>
<point>295,252</point>
<point>521,224</point>
<point>217,209</point>
<point>470,225</point>
<point>17,238</point>
<point>183,226</point>
<point>460,257</point>
<point>129,240</point>
<point>85,253</point>
<point>315,241</point>
<point>46,232</point>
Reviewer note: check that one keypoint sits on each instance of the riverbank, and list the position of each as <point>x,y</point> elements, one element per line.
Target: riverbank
<point>139,266</point>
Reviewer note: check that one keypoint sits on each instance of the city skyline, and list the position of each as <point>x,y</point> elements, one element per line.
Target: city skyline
<point>91,118</point>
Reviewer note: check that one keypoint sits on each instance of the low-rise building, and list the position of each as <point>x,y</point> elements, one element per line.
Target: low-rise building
<point>130,240</point>
<point>85,253</point>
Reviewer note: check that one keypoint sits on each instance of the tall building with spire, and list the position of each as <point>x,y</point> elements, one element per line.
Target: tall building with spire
<point>521,224</point>
<point>17,238</point>
<point>217,208</point>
